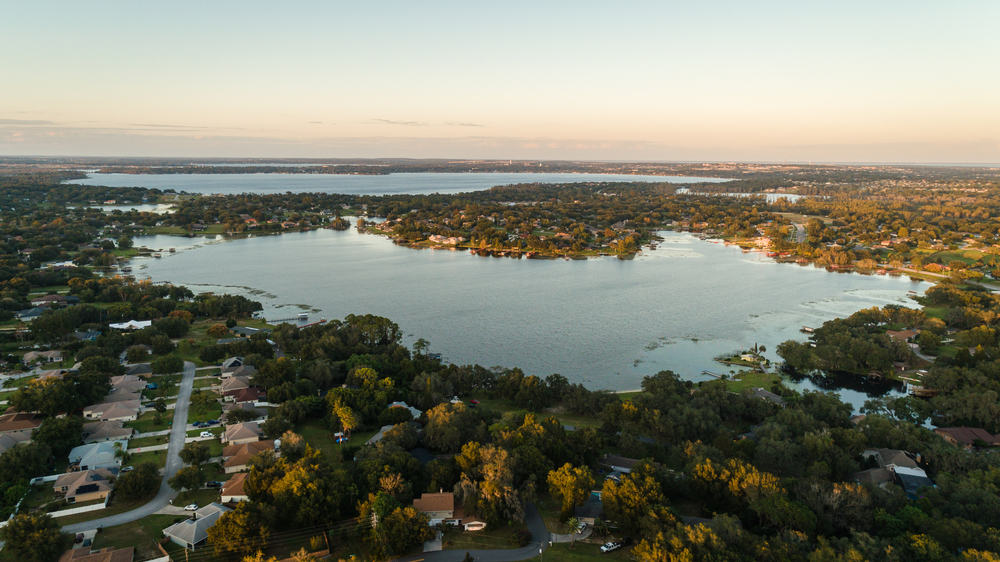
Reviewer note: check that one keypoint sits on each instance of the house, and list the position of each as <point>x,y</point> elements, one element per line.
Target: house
<point>29,314</point>
<point>19,425</point>
<point>8,442</point>
<point>246,331</point>
<point>139,369</point>
<point>237,456</point>
<point>232,384</point>
<point>591,510</point>
<point>191,533</point>
<point>228,407</point>
<point>131,325</point>
<point>86,335</point>
<point>890,458</point>
<point>98,455</point>
<point>619,464</point>
<point>49,300</point>
<point>84,486</point>
<point>50,374</point>
<point>902,336</point>
<point>239,433</point>
<point>32,357</point>
<point>106,554</point>
<point>127,383</point>
<point>894,466</point>
<point>106,431</point>
<point>245,371</point>
<point>233,490</point>
<point>440,509</point>
<point>874,476</point>
<point>250,395</point>
<point>125,410</point>
<point>912,480</point>
<point>968,437</point>
<point>413,411</point>
<point>123,396</point>
<point>230,364</point>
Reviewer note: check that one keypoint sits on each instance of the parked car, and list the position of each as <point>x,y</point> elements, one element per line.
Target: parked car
<point>199,424</point>
<point>191,507</point>
<point>581,527</point>
<point>212,422</point>
<point>207,434</point>
<point>610,546</point>
<point>127,468</point>
<point>213,484</point>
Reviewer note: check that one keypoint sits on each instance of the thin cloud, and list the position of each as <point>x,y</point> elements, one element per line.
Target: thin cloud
<point>400,123</point>
<point>462,124</point>
<point>25,122</point>
<point>162,126</point>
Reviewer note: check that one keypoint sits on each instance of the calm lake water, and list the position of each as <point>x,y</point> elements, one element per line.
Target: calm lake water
<point>603,322</point>
<point>412,183</point>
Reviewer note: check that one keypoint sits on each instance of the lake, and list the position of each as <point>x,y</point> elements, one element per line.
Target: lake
<point>602,322</point>
<point>409,183</point>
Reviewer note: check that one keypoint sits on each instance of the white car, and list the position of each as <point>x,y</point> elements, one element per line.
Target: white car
<point>191,507</point>
<point>207,434</point>
<point>609,546</point>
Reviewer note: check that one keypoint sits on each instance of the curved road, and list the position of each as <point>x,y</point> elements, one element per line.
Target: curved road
<point>178,432</point>
<point>539,540</point>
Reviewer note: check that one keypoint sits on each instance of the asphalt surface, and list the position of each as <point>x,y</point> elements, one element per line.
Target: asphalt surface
<point>178,432</point>
<point>539,540</point>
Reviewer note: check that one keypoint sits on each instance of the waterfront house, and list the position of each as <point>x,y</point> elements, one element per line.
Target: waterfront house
<point>968,437</point>
<point>192,533</point>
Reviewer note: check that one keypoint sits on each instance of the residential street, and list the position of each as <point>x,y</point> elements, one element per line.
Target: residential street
<point>178,432</point>
<point>539,539</point>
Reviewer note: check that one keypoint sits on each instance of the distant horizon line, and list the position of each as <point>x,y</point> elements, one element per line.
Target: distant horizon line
<point>307,160</point>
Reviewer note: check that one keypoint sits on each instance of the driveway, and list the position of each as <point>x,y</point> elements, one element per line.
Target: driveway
<point>178,432</point>
<point>539,540</point>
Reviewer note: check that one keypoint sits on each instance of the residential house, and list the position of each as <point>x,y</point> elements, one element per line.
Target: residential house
<point>49,300</point>
<point>106,554</point>
<point>84,486</point>
<point>591,510</point>
<point>245,371</point>
<point>233,490</point>
<point>968,437</point>
<point>8,442</point>
<point>19,425</point>
<point>413,411</point>
<point>125,410</point>
<point>139,369</point>
<point>616,463</point>
<point>239,433</point>
<point>230,364</point>
<point>93,456</point>
<point>131,325</point>
<point>86,335</point>
<point>193,532</point>
<point>237,456</point>
<point>378,436</point>
<point>894,466</point>
<point>232,384</point>
<point>29,314</point>
<point>127,383</point>
<point>32,357</point>
<point>440,509</point>
<point>245,406</point>
<point>250,395</point>
<point>94,432</point>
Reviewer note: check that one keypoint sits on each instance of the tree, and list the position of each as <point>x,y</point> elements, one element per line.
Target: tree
<point>195,453</point>
<point>420,346</point>
<point>160,405</point>
<point>571,485</point>
<point>238,532</point>
<point>139,483</point>
<point>217,331</point>
<point>60,434</point>
<point>136,353</point>
<point>187,478</point>
<point>34,537</point>
<point>573,526</point>
<point>167,364</point>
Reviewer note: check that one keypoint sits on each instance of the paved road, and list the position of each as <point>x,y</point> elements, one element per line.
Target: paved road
<point>539,539</point>
<point>178,432</point>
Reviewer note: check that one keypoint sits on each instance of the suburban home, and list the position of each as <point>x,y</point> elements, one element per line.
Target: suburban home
<point>912,480</point>
<point>106,554</point>
<point>440,509</point>
<point>890,458</point>
<point>19,425</point>
<point>616,463</point>
<point>413,411</point>
<point>8,442</point>
<point>125,410</point>
<point>32,357</point>
<point>230,365</point>
<point>894,466</point>
<point>139,369</point>
<point>49,300</point>
<point>245,371</point>
<point>246,331</point>
<point>591,510</point>
<point>93,456</point>
<point>232,384</point>
<point>29,314</point>
<point>127,383</point>
<point>250,395</point>
<point>86,335</point>
<point>84,486</point>
<point>131,325</point>
<point>106,431</point>
<point>240,433</point>
<point>50,374</point>
<point>237,456</point>
<point>232,490</point>
<point>228,407</point>
<point>191,533</point>
<point>968,437</point>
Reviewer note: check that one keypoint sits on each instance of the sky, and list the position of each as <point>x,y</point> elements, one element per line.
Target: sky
<point>888,81</point>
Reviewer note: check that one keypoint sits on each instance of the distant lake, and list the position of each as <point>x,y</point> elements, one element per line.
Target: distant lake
<point>410,183</point>
<point>603,322</point>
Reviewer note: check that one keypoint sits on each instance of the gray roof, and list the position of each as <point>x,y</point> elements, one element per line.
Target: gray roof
<point>194,531</point>
<point>97,455</point>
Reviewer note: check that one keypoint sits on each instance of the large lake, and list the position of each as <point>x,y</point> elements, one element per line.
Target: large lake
<point>603,322</point>
<point>411,183</point>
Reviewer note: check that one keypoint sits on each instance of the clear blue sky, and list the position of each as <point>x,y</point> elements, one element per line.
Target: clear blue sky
<point>858,81</point>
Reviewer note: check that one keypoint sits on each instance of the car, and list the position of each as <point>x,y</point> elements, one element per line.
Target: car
<point>581,527</point>
<point>207,434</point>
<point>191,507</point>
<point>610,546</point>
<point>212,422</point>
<point>213,484</point>
<point>127,468</point>
<point>199,424</point>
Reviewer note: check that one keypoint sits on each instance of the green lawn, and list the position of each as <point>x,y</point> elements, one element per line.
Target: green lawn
<point>17,383</point>
<point>197,432</point>
<point>200,497</point>
<point>583,552</point>
<point>117,506</point>
<point>318,436</point>
<point>751,379</point>
<point>143,534</point>
<point>205,383</point>
<point>158,458</point>
<point>489,538</point>
<point>146,422</point>
<point>148,441</point>
<point>204,412</point>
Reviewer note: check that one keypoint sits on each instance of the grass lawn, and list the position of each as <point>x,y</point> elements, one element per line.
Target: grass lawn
<point>38,497</point>
<point>117,506</point>
<point>143,534</point>
<point>751,379</point>
<point>201,497</point>
<point>489,538</point>
<point>628,395</point>
<point>204,412</point>
<point>935,311</point>
<point>319,437</point>
<point>564,418</point>
<point>158,458</point>
<point>205,383</point>
<point>17,383</point>
<point>148,441</point>
<point>584,551</point>
<point>147,422</point>
<point>197,432</point>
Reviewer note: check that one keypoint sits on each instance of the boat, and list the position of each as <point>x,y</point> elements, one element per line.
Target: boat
<point>157,255</point>
<point>807,330</point>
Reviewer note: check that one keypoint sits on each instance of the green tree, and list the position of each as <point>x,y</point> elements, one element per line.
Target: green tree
<point>60,434</point>
<point>34,537</point>
<point>187,478</point>
<point>195,453</point>
<point>139,483</point>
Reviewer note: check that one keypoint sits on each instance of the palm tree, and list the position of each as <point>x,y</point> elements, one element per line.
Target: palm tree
<point>574,529</point>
